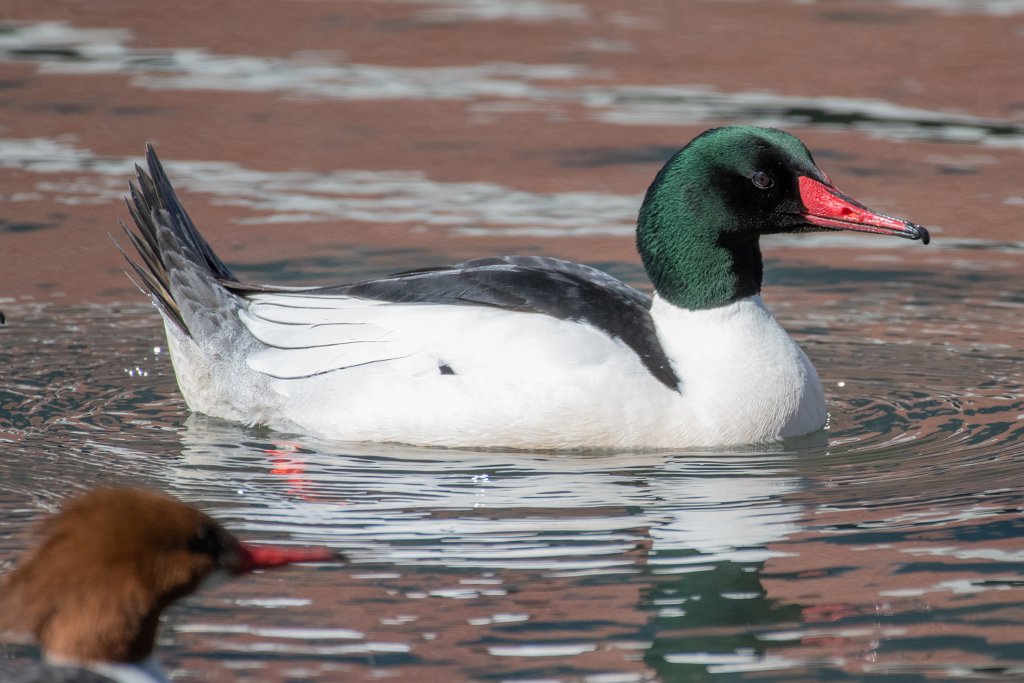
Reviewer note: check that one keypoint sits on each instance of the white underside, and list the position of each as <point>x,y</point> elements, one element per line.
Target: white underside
<point>357,370</point>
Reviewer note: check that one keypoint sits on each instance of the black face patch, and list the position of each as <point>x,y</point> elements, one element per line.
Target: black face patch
<point>762,195</point>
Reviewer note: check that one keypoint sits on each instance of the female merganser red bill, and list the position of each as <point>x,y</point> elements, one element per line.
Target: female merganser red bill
<point>92,592</point>
<point>522,351</point>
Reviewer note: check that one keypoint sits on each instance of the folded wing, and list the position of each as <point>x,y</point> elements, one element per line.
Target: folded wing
<point>375,321</point>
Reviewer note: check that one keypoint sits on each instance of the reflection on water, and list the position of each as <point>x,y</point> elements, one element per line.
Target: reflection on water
<point>296,196</point>
<point>60,48</point>
<point>384,502</point>
<point>998,7</point>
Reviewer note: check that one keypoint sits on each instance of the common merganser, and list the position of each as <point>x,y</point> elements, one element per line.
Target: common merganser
<point>92,591</point>
<point>522,351</point>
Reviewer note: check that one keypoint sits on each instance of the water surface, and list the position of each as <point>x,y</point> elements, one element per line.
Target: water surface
<point>337,141</point>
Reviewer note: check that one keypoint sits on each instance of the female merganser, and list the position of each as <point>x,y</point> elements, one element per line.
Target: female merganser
<point>92,592</point>
<point>522,351</point>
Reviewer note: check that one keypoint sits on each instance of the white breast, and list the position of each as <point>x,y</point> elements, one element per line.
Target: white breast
<point>742,374</point>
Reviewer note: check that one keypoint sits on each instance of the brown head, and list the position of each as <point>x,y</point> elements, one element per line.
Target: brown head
<point>111,562</point>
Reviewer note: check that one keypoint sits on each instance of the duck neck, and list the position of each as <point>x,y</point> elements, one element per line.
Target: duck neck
<point>86,620</point>
<point>694,257</point>
<point>123,636</point>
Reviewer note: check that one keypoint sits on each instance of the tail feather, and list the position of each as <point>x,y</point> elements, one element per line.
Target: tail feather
<point>179,270</point>
<point>141,217</point>
<point>153,279</point>
<point>160,187</point>
<point>148,252</point>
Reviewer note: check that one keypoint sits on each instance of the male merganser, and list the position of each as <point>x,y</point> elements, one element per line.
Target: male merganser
<point>92,591</point>
<point>522,351</point>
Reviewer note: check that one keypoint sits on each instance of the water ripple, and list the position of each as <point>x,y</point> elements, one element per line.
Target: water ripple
<point>774,561</point>
<point>60,48</point>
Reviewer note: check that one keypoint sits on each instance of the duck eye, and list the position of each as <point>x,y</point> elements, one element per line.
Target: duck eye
<point>206,542</point>
<point>761,180</point>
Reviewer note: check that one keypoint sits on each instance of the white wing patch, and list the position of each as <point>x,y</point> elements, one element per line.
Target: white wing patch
<point>309,336</point>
